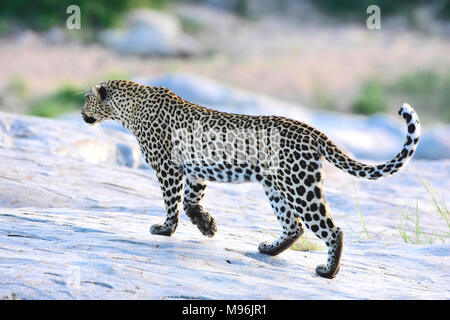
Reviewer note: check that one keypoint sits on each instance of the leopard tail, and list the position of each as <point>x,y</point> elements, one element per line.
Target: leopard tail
<point>334,155</point>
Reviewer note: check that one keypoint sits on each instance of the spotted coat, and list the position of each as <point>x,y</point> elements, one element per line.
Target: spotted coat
<point>283,155</point>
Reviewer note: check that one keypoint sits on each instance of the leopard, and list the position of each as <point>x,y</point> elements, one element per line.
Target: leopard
<point>188,145</point>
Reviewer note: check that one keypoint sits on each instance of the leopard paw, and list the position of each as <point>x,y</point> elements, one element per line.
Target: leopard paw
<point>203,220</point>
<point>161,230</point>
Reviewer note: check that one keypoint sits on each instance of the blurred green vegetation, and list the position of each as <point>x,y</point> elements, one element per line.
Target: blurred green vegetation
<point>428,91</point>
<point>190,25</point>
<point>354,9</point>
<point>44,14</point>
<point>371,98</point>
<point>65,99</point>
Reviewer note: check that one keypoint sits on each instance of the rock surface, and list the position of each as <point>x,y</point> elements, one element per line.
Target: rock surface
<point>435,143</point>
<point>75,218</point>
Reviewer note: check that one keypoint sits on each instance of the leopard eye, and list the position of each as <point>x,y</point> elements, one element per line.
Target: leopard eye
<point>102,93</point>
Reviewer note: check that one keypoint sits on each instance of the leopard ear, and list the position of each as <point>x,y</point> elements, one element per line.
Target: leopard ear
<point>101,92</point>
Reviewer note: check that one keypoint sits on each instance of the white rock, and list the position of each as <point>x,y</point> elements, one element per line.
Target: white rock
<point>434,144</point>
<point>74,228</point>
<point>56,35</point>
<point>150,32</point>
<point>72,139</point>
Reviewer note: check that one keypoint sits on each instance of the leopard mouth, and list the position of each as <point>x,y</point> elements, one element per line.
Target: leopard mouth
<point>88,119</point>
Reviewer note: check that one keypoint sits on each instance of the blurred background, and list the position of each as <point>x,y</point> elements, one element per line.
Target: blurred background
<point>319,55</point>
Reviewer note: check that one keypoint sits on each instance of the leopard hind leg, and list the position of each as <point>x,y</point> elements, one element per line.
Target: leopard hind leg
<point>292,227</point>
<point>311,204</point>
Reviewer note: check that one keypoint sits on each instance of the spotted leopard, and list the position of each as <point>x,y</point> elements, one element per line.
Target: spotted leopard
<point>188,145</point>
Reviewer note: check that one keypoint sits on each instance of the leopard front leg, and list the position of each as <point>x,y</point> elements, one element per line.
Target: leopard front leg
<point>194,190</point>
<point>171,181</point>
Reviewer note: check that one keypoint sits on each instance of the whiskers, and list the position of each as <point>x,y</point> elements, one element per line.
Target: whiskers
<point>85,87</point>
